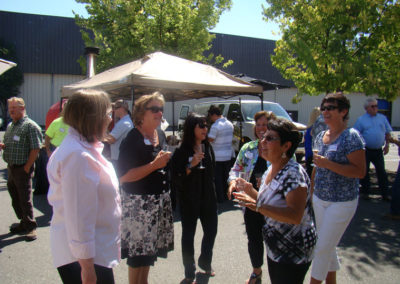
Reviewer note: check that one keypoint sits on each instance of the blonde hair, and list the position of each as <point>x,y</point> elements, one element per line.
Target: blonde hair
<point>86,111</point>
<point>19,101</point>
<point>139,108</point>
<point>313,116</point>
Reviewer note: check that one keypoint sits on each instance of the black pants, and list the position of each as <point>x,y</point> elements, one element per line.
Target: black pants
<point>255,244</point>
<point>221,179</point>
<point>209,221</point>
<point>376,157</point>
<point>19,186</point>
<point>287,273</point>
<point>71,274</point>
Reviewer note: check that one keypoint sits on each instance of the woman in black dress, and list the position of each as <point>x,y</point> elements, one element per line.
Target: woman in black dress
<point>196,194</point>
<point>147,230</point>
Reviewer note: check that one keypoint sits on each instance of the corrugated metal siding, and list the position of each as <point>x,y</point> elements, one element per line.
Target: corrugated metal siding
<point>44,44</point>
<point>40,91</point>
<point>251,56</point>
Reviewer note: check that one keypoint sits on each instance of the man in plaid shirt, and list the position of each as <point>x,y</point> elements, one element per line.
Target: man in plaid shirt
<point>22,141</point>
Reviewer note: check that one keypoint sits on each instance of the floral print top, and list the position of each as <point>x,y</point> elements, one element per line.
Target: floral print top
<point>330,186</point>
<point>246,160</point>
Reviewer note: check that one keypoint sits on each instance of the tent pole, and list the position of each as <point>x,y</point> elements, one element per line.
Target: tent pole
<point>133,96</point>
<point>173,115</point>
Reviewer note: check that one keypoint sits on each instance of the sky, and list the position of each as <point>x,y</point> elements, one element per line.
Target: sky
<point>244,18</point>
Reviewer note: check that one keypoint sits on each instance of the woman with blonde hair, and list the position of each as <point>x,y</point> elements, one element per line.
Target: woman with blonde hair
<point>147,225</point>
<point>84,194</point>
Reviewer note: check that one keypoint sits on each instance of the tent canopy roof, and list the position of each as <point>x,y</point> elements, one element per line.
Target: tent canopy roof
<point>176,78</point>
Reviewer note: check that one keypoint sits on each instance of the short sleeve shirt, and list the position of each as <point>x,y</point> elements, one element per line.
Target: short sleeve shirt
<point>20,138</point>
<point>288,243</point>
<point>373,129</point>
<point>57,131</point>
<point>119,132</point>
<point>330,186</point>
<point>222,133</point>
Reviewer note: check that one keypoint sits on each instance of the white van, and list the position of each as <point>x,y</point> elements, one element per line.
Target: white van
<point>240,114</point>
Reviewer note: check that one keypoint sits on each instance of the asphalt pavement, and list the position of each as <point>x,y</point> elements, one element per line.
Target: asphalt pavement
<point>369,250</point>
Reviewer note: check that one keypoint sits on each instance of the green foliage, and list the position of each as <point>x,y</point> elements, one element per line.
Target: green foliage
<point>12,79</point>
<point>331,45</point>
<point>129,29</point>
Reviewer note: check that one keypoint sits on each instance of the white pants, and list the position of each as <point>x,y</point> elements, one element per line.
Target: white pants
<point>332,219</point>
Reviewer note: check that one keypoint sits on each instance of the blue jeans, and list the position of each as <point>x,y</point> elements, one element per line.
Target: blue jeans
<point>376,157</point>
<point>395,204</point>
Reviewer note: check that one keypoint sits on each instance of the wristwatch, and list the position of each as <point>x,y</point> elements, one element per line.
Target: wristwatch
<point>189,166</point>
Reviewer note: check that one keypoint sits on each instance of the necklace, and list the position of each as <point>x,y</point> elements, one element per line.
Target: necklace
<point>152,137</point>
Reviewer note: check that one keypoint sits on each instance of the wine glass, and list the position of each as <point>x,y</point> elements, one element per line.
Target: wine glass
<point>166,148</point>
<point>203,149</point>
<point>240,184</point>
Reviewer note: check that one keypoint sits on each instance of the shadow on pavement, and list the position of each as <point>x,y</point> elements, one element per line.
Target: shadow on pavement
<point>6,239</point>
<point>371,239</point>
<point>40,203</point>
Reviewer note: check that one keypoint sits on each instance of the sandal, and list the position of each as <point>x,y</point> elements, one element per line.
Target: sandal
<point>208,273</point>
<point>254,278</point>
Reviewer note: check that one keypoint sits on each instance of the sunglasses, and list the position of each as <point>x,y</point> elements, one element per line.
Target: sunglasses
<point>373,106</point>
<point>202,125</point>
<point>271,138</point>
<point>329,108</point>
<point>155,109</point>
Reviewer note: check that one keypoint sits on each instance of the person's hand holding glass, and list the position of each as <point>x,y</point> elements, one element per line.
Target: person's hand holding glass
<point>241,183</point>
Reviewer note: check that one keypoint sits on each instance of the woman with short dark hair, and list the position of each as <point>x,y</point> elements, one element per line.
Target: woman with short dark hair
<point>339,164</point>
<point>284,198</point>
<point>193,178</point>
<point>250,161</point>
<point>85,227</point>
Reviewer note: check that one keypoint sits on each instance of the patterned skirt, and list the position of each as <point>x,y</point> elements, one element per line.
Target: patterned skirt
<point>147,225</point>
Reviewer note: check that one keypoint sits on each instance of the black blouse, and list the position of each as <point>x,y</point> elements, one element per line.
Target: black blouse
<point>198,185</point>
<point>136,151</point>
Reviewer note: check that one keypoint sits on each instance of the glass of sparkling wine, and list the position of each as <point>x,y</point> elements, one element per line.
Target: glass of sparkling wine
<point>240,184</point>
<point>203,149</point>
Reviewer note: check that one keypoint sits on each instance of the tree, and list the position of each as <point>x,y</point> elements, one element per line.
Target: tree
<point>11,80</point>
<point>129,29</point>
<point>332,45</point>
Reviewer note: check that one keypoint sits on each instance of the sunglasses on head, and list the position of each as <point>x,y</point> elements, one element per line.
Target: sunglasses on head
<point>202,125</point>
<point>271,138</point>
<point>328,108</point>
<point>155,109</point>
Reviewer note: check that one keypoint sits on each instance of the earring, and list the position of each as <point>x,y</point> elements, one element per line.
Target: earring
<point>283,155</point>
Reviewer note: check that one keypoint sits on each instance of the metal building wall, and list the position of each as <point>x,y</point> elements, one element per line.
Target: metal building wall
<point>40,91</point>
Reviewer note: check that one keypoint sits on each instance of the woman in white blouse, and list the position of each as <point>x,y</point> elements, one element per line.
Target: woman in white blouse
<point>85,228</point>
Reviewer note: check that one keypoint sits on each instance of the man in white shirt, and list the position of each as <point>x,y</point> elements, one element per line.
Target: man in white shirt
<point>220,136</point>
<point>121,128</point>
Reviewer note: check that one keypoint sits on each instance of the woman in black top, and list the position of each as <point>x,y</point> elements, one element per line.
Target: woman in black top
<point>147,225</point>
<point>196,194</point>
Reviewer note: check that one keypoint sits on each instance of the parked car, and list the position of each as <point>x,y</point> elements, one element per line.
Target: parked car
<point>241,114</point>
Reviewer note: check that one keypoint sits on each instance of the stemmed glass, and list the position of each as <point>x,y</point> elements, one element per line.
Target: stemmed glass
<point>240,184</point>
<point>203,149</point>
<point>165,148</point>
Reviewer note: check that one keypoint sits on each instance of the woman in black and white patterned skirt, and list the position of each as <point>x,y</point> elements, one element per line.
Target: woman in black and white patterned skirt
<point>284,199</point>
<point>147,225</point>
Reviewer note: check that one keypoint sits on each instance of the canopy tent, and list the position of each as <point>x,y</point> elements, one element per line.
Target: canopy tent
<point>177,79</point>
<point>5,65</point>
